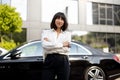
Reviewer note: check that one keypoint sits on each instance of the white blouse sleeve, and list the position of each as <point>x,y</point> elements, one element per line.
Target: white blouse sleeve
<point>49,44</point>
<point>68,38</point>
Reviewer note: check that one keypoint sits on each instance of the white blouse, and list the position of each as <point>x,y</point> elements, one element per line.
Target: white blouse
<point>55,43</point>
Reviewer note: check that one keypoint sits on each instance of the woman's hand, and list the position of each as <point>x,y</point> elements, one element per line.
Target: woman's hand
<point>46,39</point>
<point>66,44</point>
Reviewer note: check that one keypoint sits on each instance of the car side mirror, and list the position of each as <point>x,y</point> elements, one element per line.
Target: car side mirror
<point>16,54</point>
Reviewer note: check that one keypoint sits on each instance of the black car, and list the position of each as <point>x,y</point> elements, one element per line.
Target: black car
<point>87,63</point>
<point>3,51</point>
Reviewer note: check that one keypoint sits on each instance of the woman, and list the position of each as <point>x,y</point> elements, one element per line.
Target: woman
<point>56,45</point>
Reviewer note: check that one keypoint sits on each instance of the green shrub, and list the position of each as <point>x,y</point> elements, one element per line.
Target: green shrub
<point>8,44</point>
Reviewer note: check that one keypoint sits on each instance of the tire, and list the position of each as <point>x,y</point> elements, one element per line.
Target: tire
<point>94,73</point>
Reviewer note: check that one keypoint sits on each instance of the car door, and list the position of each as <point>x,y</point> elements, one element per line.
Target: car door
<point>27,63</point>
<point>79,57</point>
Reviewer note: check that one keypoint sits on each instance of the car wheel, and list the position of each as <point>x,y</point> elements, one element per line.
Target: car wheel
<point>94,73</point>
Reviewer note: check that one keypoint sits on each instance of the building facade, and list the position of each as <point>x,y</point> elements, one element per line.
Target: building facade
<point>94,20</point>
<point>100,18</point>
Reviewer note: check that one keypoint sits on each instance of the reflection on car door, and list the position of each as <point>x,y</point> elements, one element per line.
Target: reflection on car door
<point>78,56</point>
<point>27,66</point>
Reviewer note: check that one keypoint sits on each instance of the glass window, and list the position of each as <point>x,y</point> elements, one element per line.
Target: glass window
<point>108,42</point>
<point>82,51</point>
<point>102,13</point>
<point>117,43</point>
<point>34,49</point>
<point>95,13</point>
<point>109,22</point>
<point>69,7</point>
<point>78,50</point>
<point>73,49</point>
<point>109,13</point>
<point>105,14</point>
<point>117,15</point>
<point>102,21</point>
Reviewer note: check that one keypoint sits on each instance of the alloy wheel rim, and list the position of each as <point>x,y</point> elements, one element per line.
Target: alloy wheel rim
<point>95,74</point>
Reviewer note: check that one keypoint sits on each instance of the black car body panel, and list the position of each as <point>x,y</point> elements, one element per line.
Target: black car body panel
<point>26,62</point>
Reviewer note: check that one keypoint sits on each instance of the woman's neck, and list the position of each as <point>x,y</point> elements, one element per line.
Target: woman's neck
<point>58,30</point>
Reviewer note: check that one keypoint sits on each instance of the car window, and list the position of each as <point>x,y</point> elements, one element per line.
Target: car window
<point>34,49</point>
<point>73,48</point>
<point>78,50</point>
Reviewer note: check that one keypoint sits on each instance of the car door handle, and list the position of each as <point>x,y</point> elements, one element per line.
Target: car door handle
<point>85,57</point>
<point>39,59</point>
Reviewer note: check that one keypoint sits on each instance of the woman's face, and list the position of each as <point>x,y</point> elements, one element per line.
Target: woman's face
<point>59,22</point>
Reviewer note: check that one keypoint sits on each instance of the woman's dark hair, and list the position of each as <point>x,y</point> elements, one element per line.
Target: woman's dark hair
<point>56,16</point>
